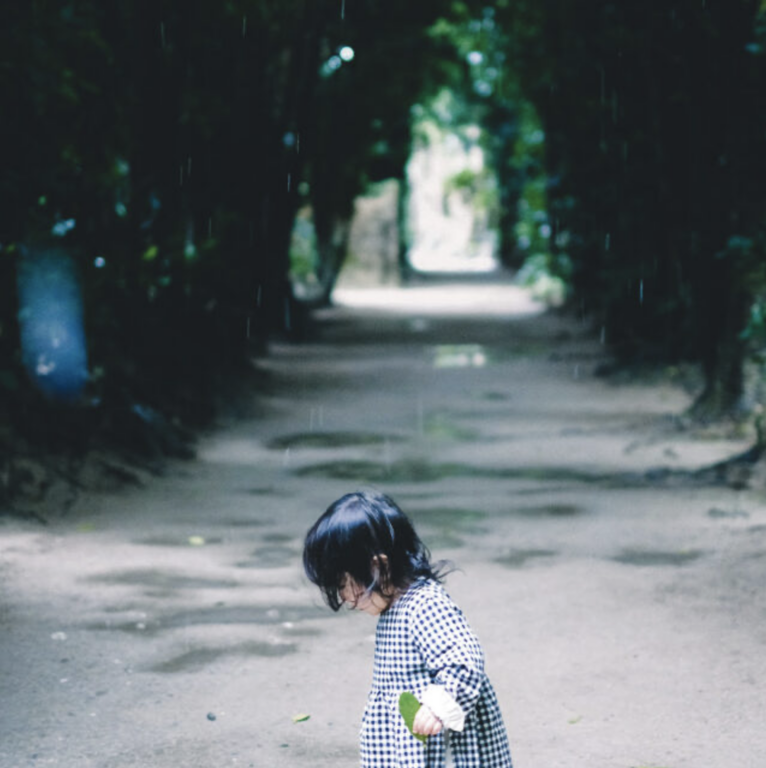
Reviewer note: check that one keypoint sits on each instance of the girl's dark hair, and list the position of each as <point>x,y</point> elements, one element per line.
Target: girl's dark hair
<point>354,530</point>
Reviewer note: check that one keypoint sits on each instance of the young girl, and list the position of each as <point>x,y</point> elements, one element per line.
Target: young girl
<point>363,551</point>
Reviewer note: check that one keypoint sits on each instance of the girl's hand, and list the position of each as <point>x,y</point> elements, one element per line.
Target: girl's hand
<point>426,723</point>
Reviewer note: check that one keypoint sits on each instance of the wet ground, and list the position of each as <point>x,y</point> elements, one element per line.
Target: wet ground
<point>621,608</point>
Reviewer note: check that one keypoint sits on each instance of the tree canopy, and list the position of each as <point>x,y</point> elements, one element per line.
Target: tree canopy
<point>163,151</point>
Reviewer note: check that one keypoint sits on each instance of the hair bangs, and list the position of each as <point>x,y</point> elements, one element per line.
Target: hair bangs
<point>365,537</point>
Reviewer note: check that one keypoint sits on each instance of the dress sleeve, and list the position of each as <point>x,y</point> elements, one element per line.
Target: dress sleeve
<point>449,648</point>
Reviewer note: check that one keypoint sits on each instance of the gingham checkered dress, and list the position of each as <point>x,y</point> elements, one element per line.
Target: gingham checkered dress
<point>424,639</point>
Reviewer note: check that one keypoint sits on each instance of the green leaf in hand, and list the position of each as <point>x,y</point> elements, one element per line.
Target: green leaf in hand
<point>409,706</point>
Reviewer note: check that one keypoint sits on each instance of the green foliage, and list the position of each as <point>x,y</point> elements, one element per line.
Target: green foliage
<point>169,148</point>
<point>465,180</point>
<point>546,276</point>
<point>654,158</point>
<point>172,148</point>
<point>303,247</point>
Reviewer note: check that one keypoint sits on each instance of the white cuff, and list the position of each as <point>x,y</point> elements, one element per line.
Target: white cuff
<point>444,707</point>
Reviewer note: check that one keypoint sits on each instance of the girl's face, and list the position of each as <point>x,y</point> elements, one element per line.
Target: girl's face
<point>358,598</point>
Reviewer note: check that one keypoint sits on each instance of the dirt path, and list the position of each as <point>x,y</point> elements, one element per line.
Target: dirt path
<point>624,621</point>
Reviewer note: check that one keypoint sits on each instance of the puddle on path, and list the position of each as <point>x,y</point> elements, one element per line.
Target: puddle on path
<point>418,471</point>
<point>272,557</point>
<point>289,617</point>
<point>198,658</point>
<point>459,356</point>
<point>450,518</point>
<point>371,471</point>
<point>517,558</point>
<point>244,615</point>
<point>166,580</point>
<point>445,526</point>
<point>496,397</point>
<point>649,557</point>
<point>443,540</point>
<point>299,630</point>
<point>261,491</point>
<point>332,440</point>
<point>548,510</point>
<point>277,538</point>
<point>721,514</point>
<point>244,522</point>
<point>441,427</point>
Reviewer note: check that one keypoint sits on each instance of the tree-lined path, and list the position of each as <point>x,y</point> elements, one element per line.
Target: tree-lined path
<point>621,609</point>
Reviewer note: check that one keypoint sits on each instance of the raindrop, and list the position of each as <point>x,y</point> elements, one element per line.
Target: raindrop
<point>346,53</point>
<point>603,334</point>
<point>333,63</point>
<point>286,458</point>
<point>343,9</point>
<point>60,228</point>
<point>603,86</point>
<point>120,209</point>
<point>289,139</point>
<point>244,26</point>
<point>99,262</point>
<point>475,58</point>
<point>162,33</point>
<point>483,88</point>
<point>577,371</point>
<point>641,292</point>
<point>289,178</point>
<point>607,241</point>
<point>259,296</point>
